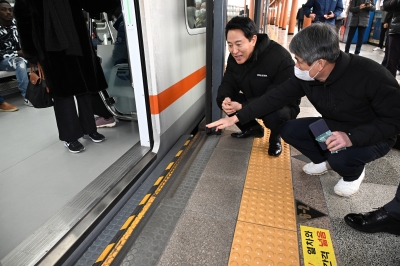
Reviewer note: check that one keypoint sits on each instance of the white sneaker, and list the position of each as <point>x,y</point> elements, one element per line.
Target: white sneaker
<point>377,49</point>
<point>28,103</point>
<point>397,72</point>
<point>316,169</point>
<point>347,189</point>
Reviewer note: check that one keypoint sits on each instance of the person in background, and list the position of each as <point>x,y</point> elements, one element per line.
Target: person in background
<point>201,20</point>
<point>393,40</point>
<point>256,65</point>
<point>54,33</point>
<point>359,21</point>
<point>191,13</point>
<point>323,11</point>
<point>198,7</point>
<point>300,18</point>
<point>384,27</point>
<point>11,56</point>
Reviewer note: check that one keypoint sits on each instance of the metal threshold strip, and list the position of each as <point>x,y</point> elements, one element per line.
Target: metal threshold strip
<point>53,242</point>
<point>126,231</point>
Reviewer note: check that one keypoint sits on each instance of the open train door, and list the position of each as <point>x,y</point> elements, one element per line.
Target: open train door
<point>138,70</point>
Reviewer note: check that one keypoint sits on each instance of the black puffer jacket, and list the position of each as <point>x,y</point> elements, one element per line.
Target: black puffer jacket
<point>360,97</point>
<point>394,7</point>
<point>269,66</point>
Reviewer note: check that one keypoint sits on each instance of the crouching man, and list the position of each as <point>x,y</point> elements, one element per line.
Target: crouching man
<point>359,101</point>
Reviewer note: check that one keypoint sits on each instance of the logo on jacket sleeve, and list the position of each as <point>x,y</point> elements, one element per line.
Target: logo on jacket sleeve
<point>262,75</point>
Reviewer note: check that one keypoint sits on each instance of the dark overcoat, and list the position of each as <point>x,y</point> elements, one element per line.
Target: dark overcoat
<point>66,73</point>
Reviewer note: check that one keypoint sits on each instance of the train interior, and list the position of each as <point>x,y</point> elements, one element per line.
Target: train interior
<point>38,175</point>
<point>45,189</point>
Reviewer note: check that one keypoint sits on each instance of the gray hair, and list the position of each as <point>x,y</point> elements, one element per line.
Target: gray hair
<point>317,41</point>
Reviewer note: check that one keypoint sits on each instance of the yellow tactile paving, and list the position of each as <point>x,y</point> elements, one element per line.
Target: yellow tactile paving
<point>262,245</point>
<point>266,232</point>
<point>267,208</point>
<point>282,162</point>
<point>278,179</point>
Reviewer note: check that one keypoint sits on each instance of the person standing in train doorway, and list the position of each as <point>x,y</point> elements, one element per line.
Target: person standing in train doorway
<point>357,98</point>
<point>54,33</point>
<point>256,64</point>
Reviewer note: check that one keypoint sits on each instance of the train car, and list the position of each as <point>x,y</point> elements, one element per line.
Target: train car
<point>157,91</point>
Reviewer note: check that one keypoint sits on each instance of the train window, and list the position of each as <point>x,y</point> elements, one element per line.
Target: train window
<point>196,16</point>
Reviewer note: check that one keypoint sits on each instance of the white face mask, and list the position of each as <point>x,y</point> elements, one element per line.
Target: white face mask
<point>304,74</point>
<point>202,10</point>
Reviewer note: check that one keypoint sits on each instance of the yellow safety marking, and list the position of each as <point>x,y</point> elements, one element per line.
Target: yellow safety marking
<point>145,198</point>
<point>161,181</point>
<point>169,165</point>
<point>317,246</point>
<point>179,153</point>
<point>127,234</point>
<point>158,180</point>
<point>186,143</point>
<point>128,222</point>
<point>280,179</point>
<point>255,244</point>
<point>267,208</point>
<point>105,252</point>
<point>266,232</point>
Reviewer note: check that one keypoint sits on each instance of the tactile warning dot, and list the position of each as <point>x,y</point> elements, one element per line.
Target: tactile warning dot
<point>267,208</point>
<point>261,245</point>
<point>269,179</point>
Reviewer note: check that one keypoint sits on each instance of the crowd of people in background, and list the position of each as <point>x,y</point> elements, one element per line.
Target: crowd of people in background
<point>196,13</point>
<point>358,13</point>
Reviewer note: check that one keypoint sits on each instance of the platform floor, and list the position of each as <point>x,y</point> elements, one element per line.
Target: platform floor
<point>243,209</point>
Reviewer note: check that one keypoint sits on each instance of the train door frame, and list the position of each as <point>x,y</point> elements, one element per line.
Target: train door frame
<point>215,56</point>
<point>134,39</point>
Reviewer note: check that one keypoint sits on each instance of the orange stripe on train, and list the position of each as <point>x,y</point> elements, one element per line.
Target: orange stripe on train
<point>160,102</point>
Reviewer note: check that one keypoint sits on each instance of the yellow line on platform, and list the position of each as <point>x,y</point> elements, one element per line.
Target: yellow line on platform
<point>266,232</point>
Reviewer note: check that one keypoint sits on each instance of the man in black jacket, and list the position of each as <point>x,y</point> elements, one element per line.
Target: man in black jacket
<point>256,65</point>
<point>359,101</point>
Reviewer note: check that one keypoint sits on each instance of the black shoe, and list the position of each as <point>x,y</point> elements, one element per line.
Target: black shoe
<point>74,146</point>
<point>275,149</point>
<point>373,222</point>
<point>257,132</point>
<point>96,137</point>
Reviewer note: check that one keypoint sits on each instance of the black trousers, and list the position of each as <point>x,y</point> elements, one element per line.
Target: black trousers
<point>347,163</point>
<point>72,126</point>
<point>274,121</point>
<point>393,56</point>
<point>299,24</point>
<point>352,31</point>
<point>393,207</point>
<point>382,36</point>
<point>98,105</point>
